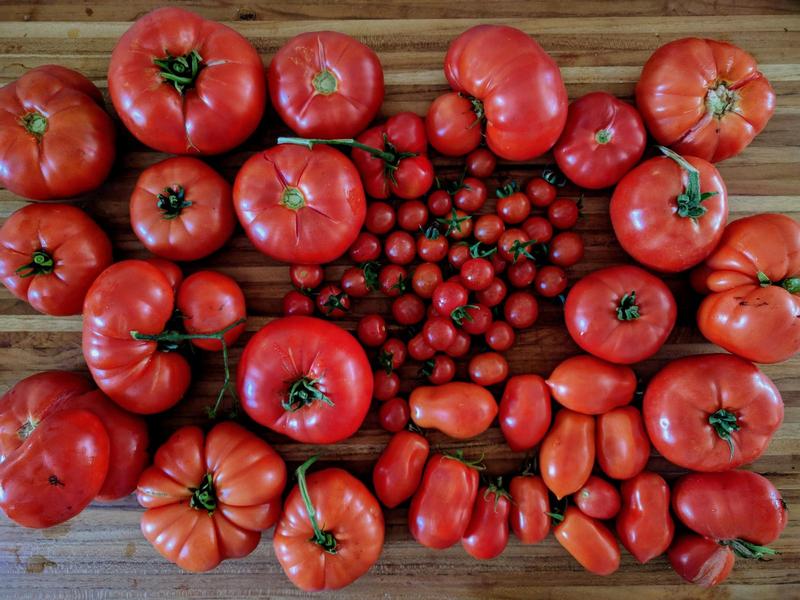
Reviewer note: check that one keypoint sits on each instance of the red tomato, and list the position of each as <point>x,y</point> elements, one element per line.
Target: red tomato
<point>460,347</point>
<point>621,314</point>
<point>380,218</point>
<point>644,525</point>
<point>521,310</point>
<point>440,203</point>
<point>566,249</point>
<point>669,212</point>
<point>521,274</point>
<point>358,282</point>
<point>439,369</point>
<point>513,245</point>
<point>488,368</point>
<point>392,354</point>
<point>500,336</point>
<point>412,215</point>
<point>385,385</point>
<point>530,503</point>
<point>398,471</point>
<point>598,499</point>
<point>169,270</point>
<point>476,274</point>
<point>540,192</point>
<point>419,349</point>
<point>439,332</point>
<point>591,386</point>
<point>287,195</point>
<point>394,414</point>
<point>603,139</point>
<point>488,229</point>
<point>470,195</point>
<point>525,411</point>
<point>306,277</point>
<point>563,213</point>
<point>550,281</point>
<point>296,303</point>
<point>566,455</point>
<point>538,229</point>
<point>588,541</point>
<point>704,98</point>
<point>458,225</point>
<point>365,248</point>
<point>712,412</point>
<point>173,74</point>
<point>477,319</point>
<point>331,530</point>
<point>371,330</point>
<point>458,254</point>
<point>408,309</point>
<point>426,278</point>
<point>623,447</point>
<point>494,294</point>
<point>481,163</point>
<point>56,140</point>
<point>512,205</point>
<point>333,302</point>
<point>50,255</point>
<point>754,277</point>
<point>326,84</point>
<point>442,505</point>
<point>458,409</point>
<point>700,560</point>
<point>453,126</point>
<point>449,296</point>
<point>431,245</point>
<point>393,280</point>
<point>208,302</point>
<point>486,535</point>
<point>525,106</point>
<point>305,378</point>
<point>209,499</point>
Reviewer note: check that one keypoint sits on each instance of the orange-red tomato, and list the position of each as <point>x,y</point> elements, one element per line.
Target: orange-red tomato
<point>530,503</point>
<point>525,411</point>
<point>567,453</point>
<point>398,471</point>
<point>589,542</point>
<point>486,535</point>
<point>700,560</point>
<point>590,385</point>
<point>210,301</point>
<point>644,525</point>
<point>452,125</point>
<point>458,409</point>
<point>598,499</point>
<point>623,447</point>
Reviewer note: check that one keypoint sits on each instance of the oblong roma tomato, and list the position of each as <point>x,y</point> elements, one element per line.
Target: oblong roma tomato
<point>186,85</point>
<point>598,499</point>
<point>182,209</point>
<point>442,505</point>
<point>621,314</point>
<point>210,301</point>
<point>398,471</point>
<point>326,84</point>
<point>712,412</point>
<point>486,535</point>
<point>644,525</point>
<point>623,447</point>
<point>591,386</point>
<point>56,140</point>
<point>305,378</point>
<point>300,205</point>
<point>589,542</point>
<point>602,140</point>
<point>50,255</point>
<point>704,98</point>
<point>208,498</point>
<point>700,560</point>
<point>516,86</point>
<point>566,455</point>
<point>754,277</point>
<point>458,409</point>
<point>669,212</point>
<point>530,503</point>
<point>525,411</point>
<point>331,530</point>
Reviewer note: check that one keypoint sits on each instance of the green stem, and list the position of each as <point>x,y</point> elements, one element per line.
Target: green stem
<point>475,251</point>
<point>42,264</point>
<point>472,464</point>
<point>721,100</point>
<point>791,285</point>
<point>34,123</point>
<point>628,310</point>
<point>180,71</point>
<point>204,496</point>
<point>388,157</point>
<point>498,490</point>
<point>724,424</point>
<point>304,392</point>
<point>459,314</point>
<point>689,202</point>
<point>325,539</point>
<point>603,136</point>
<point>454,222</point>
<point>508,189</point>
<point>745,549</point>
<point>325,82</point>
<point>171,201</point>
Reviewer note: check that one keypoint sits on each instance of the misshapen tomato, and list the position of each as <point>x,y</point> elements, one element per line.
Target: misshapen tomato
<point>700,560</point>
<point>398,471</point>
<point>530,503</point>
<point>591,385</point>
<point>486,535</point>
<point>458,409</point>
<point>644,525</point>
<point>588,541</point>
<point>566,455</point>
<point>623,447</point>
<point>525,411</point>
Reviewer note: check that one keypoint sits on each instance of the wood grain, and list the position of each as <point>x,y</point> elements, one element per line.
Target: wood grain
<point>598,45</point>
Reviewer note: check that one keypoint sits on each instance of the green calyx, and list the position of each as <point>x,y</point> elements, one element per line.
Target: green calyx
<point>690,201</point>
<point>790,284</point>
<point>453,222</point>
<point>304,392</point>
<point>724,424</point>
<point>371,270</point>
<point>41,264</point>
<point>603,136</point>
<point>180,71</point>
<point>721,100</point>
<point>476,251</point>
<point>460,314</point>
<point>496,488</point>
<point>325,82</point>
<point>472,464</point>
<point>323,538</point>
<point>508,189</point>
<point>744,549</point>
<point>293,199</point>
<point>628,310</point>
<point>386,361</point>
<point>204,497</point>
<point>554,176</point>
<point>172,201</point>
<point>34,123</point>
<point>26,429</point>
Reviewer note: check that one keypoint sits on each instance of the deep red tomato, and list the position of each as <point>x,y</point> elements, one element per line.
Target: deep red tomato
<point>431,245</point>
<point>488,368</point>
<point>331,530</point>
<point>305,378</point>
<point>644,525</point>
<point>419,349</point>
<point>458,254</point>
<point>380,218</point>
<point>326,84</point>
<point>398,470</point>
<point>296,303</point>
<point>700,560</point>
<point>439,369</point>
<point>598,499</point>
<point>704,98</point>
<point>563,213</point>
<point>481,163</point>
<point>457,225</point>
<point>712,412</point>
<point>306,277</point>
<point>525,411</point>
<point>425,279</point>
<point>449,296</point>
<point>453,126</point>
<point>566,456</point>
<point>602,140</point>
<point>470,195</point>
<point>209,499</point>
<point>550,281</point>
<point>394,415</point>
<point>392,355</point>
<point>333,302</point>
<point>172,75</point>
<point>476,274</point>
<point>521,310</point>
<point>56,140</point>
<point>514,245</point>
<point>486,535</point>
<point>513,206</point>
<point>367,247</point>
<point>565,249</point>
<point>500,336</point>
<point>621,314</point>
<point>521,274</point>
<point>358,282</point>
<point>412,215</point>
<point>400,248</point>
<point>408,309</point>
<point>169,270</point>
<point>439,332</point>
<point>669,212</point>
<point>393,280</point>
<point>442,505</point>
<point>50,255</point>
<point>371,330</point>
<point>530,503</point>
<point>477,319</point>
<point>494,294</point>
<point>208,302</point>
<point>440,203</point>
<point>458,409</point>
<point>754,277</point>
<point>590,385</point>
<point>385,385</point>
<point>525,106</point>
<point>287,195</point>
<point>589,542</point>
<point>488,229</point>
<point>538,229</point>
<point>541,193</point>
<point>623,447</point>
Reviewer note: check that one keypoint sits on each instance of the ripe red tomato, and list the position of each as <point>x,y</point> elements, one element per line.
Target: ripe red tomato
<point>393,415</point>
<point>172,75</point>
<point>287,195</point>
<point>476,274</point>
<point>512,205</point>
<point>486,535</point>
<point>704,98</point>
<point>550,281</point>
<point>458,409</point>
<point>588,541</point>
<point>623,447</point>
<point>566,456</point>
<point>602,140</point>
<point>521,274</point>
<point>425,279</point>
<point>488,368</point>
<point>488,229</point>
<point>400,248</point>
<point>431,245</point>
<point>525,106</point>
<point>538,229</point>
<point>565,249</point>
<point>514,245</point>
<point>367,247</point>
<point>700,560</point>
<point>481,163</point>
<point>470,195</point>
<point>494,294</point>
<point>458,254</point>
<point>461,345</point>
<point>530,503</point>
<point>440,203</point>
<point>380,218</point>
<point>669,212</point>
<point>320,544</point>
<point>209,499</point>
<point>477,319</point>
<point>208,302</point>
<point>563,213</point>
<point>56,140</point>
<point>412,215</point>
<point>442,505</point>
<point>500,336</point>
<point>393,280</point>
<point>439,332</point>
<point>754,279</point>
<point>521,310</point>
<point>326,84</point>
<point>296,303</point>
<point>457,225</point>
<point>525,411</point>
<point>621,314</point>
<point>712,412</point>
<point>169,270</point>
<point>392,355</point>
<point>408,309</point>
<point>358,282</point>
<point>439,369</point>
<point>333,302</point>
<point>305,378</point>
<point>453,126</point>
<point>419,349</point>
<point>591,386</point>
<point>385,385</point>
<point>598,499</point>
<point>306,277</point>
<point>371,330</point>
<point>50,255</point>
<point>644,525</point>
<point>541,193</point>
<point>449,296</point>
<point>398,470</point>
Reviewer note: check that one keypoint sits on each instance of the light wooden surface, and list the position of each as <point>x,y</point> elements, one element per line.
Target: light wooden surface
<point>599,46</point>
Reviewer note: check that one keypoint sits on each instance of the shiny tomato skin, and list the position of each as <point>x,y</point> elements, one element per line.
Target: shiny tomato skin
<point>79,249</point>
<point>525,411</point>
<point>488,368</point>
<point>563,213</point>
<point>488,229</point>
<point>538,228</point>
<point>296,303</point>
<point>440,203</point>
<point>566,455</point>
<point>392,279</point>
<point>442,505</point>
<point>471,195</point>
<point>326,84</point>
<point>550,281</point>
<point>385,385</point>
<point>476,274</point>
<point>408,309</point>
<point>432,249</point>
<point>210,301</point>
<point>394,414</point>
<point>168,269</point>
<point>590,385</point>
<point>481,163</point>
<point>398,470</point>
<point>598,499</point>
<point>412,215</point>
<point>449,296</point>
<point>380,218</point>
<point>425,279</point>
<point>478,319</point>
<point>453,127</point>
<point>306,277</point>
<point>700,560</point>
<point>644,525</point>
<point>500,336</point>
<point>486,535</point>
<point>461,345</point>
<point>458,254</point>
<point>593,321</point>
<point>439,332</point>
<point>541,193</point>
<point>354,282</point>
<point>440,369</point>
<point>623,447</point>
<point>589,542</point>
<point>521,310</point>
<point>419,349</point>
<point>514,208</point>
<point>494,294</point>
<point>365,248</point>
<point>566,249</point>
<point>393,351</point>
<point>458,409</point>
<point>230,81</point>
<point>521,274</point>
<point>530,503</point>
<point>333,302</point>
<point>371,330</point>
<point>602,140</point>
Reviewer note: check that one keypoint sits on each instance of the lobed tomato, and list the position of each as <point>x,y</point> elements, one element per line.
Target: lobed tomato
<point>208,302</point>
<point>458,409</point>
<point>452,125</point>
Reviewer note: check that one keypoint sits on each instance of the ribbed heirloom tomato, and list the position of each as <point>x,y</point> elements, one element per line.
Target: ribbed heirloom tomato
<point>700,560</point>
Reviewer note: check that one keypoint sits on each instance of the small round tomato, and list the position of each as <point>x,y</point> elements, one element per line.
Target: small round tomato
<point>372,330</point>
<point>392,354</point>
<point>386,385</point>
<point>365,248</point>
<point>521,310</point>
<point>399,247</point>
<point>623,447</point>
<point>394,414</point>
<point>412,215</point>
<point>530,503</point>
<point>333,302</point>
<point>419,348</point>
<point>566,455</point>
<point>460,346</point>
<point>565,249</point>
<point>525,411</point>
<point>512,205</point>
<point>592,386</point>
<point>477,319</point>
<point>644,525</point>
<point>440,203</point>
<point>589,542</point>
<point>458,254</point>
<point>439,369</point>
<point>521,274</point>
<point>458,224</point>
<point>208,302</point>
<point>357,282</point>
<point>471,195</point>
<point>598,499</point>
<point>297,303</point>
<point>481,163</point>
<point>449,296</point>
<point>540,192</point>
<point>563,213</point>
<point>380,218</point>
<point>476,274</point>
<point>398,470</point>
<point>500,336</point>
<point>494,294</point>
<point>393,280</point>
<point>432,246</point>
<point>539,229</point>
<point>457,409</point>
<point>488,229</point>
<point>306,277</point>
<point>700,560</point>
<point>514,245</point>
<point>488,368</point>
<point>408,309</point>
<point>439,332</point>
<point>452,125</point>
<point>550,281</point>
<point>486,535</point>
<point>425,279</point>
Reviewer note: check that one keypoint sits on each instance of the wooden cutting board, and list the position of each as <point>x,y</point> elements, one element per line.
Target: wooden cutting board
<point>599,46</point>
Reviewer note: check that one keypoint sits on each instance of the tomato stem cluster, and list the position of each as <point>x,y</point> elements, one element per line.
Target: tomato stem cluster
<point>204,496</point>
<point>724,424</point>
<point>304,392</point>
<point>180,71</point>
<point>790,284</point>
<point>745,549</point>
<point>324,538</point>
<point>689,202</point>
<point>171,201</point>
<point>41,264</point>
<point>34,123</point>
<point>628,310</point>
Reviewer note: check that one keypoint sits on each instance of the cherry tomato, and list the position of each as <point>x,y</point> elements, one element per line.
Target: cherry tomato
<point>644,525</point>
<point>481,163</point>
<point>297,303</point>
<point>333,302</point>
<point>385,385</point>
<point>380,218</point>
<point>563,213</point>
<point>500,336</point>
<point>521,310</point>
<point>700,560</point>
<point>588,541</point>
<point>432,246</point>
<point>521,274</point>
<point>458,255</point>
<point>440,203</point>
<point>393,280</point>
<point>372,330</point>
<point>419,349</point>
<point>208,302</point>
<point>449,296</point>
<point>477,319</point>
<point>488,368</point>
<point>408,309</point>
<point>486,535</point>
<point>566,456</point>
<point>598,499</point>
<point>460,346</point>
<point>471,195</point>
<point>476,274</point>
<point>365,248</point>
<point>425,279</point>
<point>458,409</point>
<point>398,470</point>
<point>623,447</point>
<point>394,415</point>
<point>494,294</point>
<point>513,206</point>
<point>540,192</point>
<point>357,282</point>
<point>538,229</point>
<point>530,503</point>
<point>399,247</point>
<point>590,385</point>
<point>412,215</point>
<point>566,249</point>
<point>439,370</point>
<point>439,332</point>
<point>550,281</point>
<point>452,125</point>
<point>488,229</point>
<point>513,245</point>
<point>306,277</point>
<point>392,354</point>
<point>525,411</point>
<point>458,224</point>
